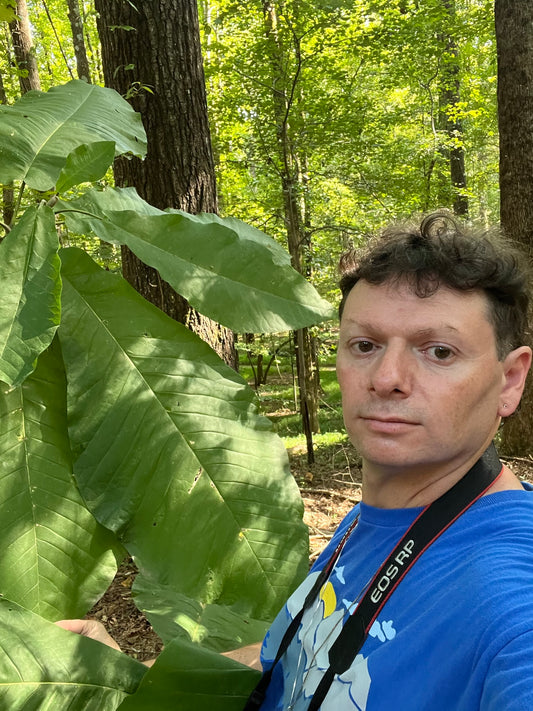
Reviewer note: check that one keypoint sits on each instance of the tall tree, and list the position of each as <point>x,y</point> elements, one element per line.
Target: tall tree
<point>152,55</point>
<point>284,78</point>
<point>23,49</point>
<point>8,195</point>
<point>514,35</point>
<point>28,76</point>
<point>78,39</point>
<point>450,120</point>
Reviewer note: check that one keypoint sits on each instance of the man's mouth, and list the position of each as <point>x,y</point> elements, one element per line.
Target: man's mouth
<point>388,423</point>
<point>388,418</point>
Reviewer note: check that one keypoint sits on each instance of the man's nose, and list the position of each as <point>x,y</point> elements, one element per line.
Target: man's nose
<point>392,372</point>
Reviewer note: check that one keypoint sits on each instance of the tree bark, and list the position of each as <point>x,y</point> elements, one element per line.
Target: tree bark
<point>295,211</point>
<point>28,79</point>
<point>8,195</point>
<point>514,38</point>
<point>158,66</point>
<point>23,49</point>
<point>450,124</point>
<point>78,38</point>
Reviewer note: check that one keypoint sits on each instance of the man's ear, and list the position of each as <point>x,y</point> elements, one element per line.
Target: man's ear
<point>515,369</point>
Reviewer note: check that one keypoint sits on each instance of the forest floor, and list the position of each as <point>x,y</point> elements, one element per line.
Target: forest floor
<point>328,492</point>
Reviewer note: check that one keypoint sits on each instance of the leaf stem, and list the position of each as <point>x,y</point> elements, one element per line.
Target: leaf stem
<point>19,199</point>
<point>81,212</point>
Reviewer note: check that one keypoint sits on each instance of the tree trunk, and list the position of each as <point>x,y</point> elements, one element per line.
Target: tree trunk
<point>28,79</point>
<point>80,52</point>
<point>449,123</point>
<point>8,195</point>
<point>295,212</point>
<point>158,66</point>
<point>306,385</point>
<point>23,49</point>
<point>514,38</point>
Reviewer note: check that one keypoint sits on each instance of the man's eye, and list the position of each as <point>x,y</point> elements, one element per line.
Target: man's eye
<point>364,346</point>
<point>441,352</point>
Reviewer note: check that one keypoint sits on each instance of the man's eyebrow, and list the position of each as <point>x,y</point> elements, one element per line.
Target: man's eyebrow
<point>432,331</point>
<point>429,332</point>
<point>363,325</point>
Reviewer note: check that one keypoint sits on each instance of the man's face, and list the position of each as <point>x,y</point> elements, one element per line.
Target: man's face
<point>422,387</point>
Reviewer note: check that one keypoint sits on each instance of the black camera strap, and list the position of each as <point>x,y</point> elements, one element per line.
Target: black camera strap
<point>426,528</point>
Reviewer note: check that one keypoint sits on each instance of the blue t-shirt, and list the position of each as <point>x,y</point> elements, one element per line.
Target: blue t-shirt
<point>456,635</point>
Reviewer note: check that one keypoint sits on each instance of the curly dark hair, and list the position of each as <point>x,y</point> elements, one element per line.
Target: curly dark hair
<point>440,251</point>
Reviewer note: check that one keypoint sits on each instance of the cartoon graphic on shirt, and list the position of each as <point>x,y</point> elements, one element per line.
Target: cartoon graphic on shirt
<point>382,630</point>
<point>319,629</point>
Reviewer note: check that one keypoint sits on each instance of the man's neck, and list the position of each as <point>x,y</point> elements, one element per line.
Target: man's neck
<point>398,490</point>
<point>401,490</point>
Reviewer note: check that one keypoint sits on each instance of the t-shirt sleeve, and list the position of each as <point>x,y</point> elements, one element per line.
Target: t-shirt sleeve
<point>509,681</point>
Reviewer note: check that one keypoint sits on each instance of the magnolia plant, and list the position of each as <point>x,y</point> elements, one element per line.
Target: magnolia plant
<point>122,433</point>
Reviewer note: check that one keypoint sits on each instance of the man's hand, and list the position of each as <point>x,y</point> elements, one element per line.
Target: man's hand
<point>89,628</point>
<point>94,630</point>
<point>247,655</point>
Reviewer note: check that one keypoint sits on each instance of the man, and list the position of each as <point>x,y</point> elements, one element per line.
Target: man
<point>430,359</point>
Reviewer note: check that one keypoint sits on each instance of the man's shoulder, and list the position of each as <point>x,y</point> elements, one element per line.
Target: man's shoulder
<point>500,521</point>
<point>510,508</point>
<point>494,547</point>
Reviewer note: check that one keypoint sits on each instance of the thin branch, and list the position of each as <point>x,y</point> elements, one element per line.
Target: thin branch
<point>317,533</point>
<point>266,152</point>
<point>326,404</point>
<point>373,194</point>
<point>81,212</point>
<point>337,228</point>
<point>296,76</point>
<point>510,460</point>
<point>18,203</point>
<point>57,38</point>
<point>252,79</point>
<point>330,492</point>
<point>273,359</point>
<point>249,354</point>
<point>259,124</point>
<point>427,87</point>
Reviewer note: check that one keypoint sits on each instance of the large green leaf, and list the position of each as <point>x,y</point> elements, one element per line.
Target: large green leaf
<point>39,131</point>
<point>100,202</point>
<point>86,164</point>
<point>227,270</point>
<point>280,256</point>
<point>30,293</point>
<point>186,677</point>
<point>55,559</point>
<point>217,627</point>
<point>94,204</point>
<point>45,668</point>
<point>171,452</point>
